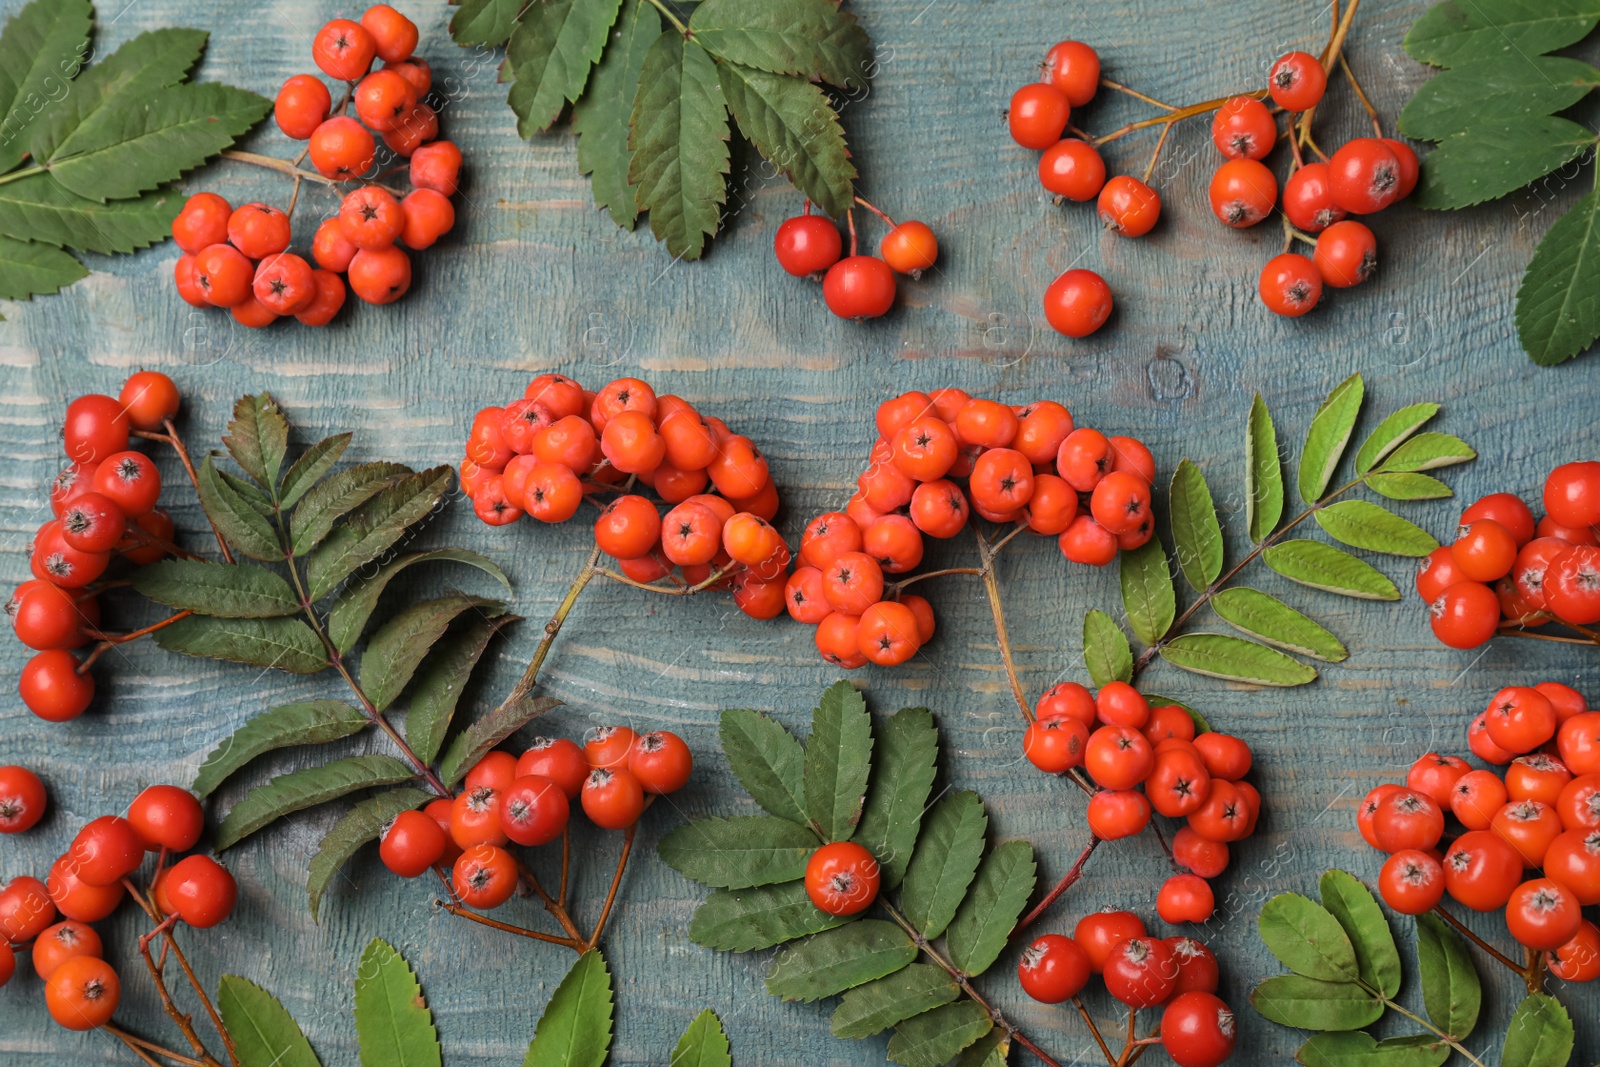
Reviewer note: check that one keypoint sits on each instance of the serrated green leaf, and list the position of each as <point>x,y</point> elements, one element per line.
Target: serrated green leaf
<point>327,501</point>
<point>1463,31</point>
<point>988,1051</point>
<point>840,959</point>
<point>1491,159</point>
<point>311,722</point>
<point>1333,570</point>
<point>1307,939</point>
<point>744,920</point>
<point>29,269</point>
<point>138,143</point>
<point>739,853</point>
<point>678,135</point>
<point>1408,486</point>
<point>441,681</point>
<point>485,22</point>
<point>1366,525</point>
<point>1353,1048</point>
<point>811,38</point>
<point>374,527</point>
<point>359,600</point>
<point>792,123</point>
<point>934,1038</point>
<point>258,438</point>
<point>983,923</point>
<point>1539,1034</point>
<point>907,747</point>
<point>1271,620</point>
<point>1328,436</point>
<point>42,48</point>
<point>240,522</point>
<point>1263,473</point>
<point>1451,990</point>
<point>575,1030</point>
<point>1353,904</point>
<point>1196,534</point>
<point>1507,88</point>
<point>1147,593</point>
<point>1105,649</point>
<point>222,590</point>
<point>248,489</point>
<point>1391,433</point>
<point>1558,302</point>
<point>307,788</point>
<point>1235,659</point>
<point>600,118</point>
<point>361,824</point>
<point>264,1033</point>
<point>310,467</point>
<point>1429,451</point>
<point>1293,1000</point>
<point>838,760</point>
<point>767,760</point>
<point>393,1023</point>
<point>487,731</point>
<point>943,865</point>
<point>549,55</point>
<point>873,1008</point>
<point>39,209</point>
<point>703,1044</point>
<point>283,644</point>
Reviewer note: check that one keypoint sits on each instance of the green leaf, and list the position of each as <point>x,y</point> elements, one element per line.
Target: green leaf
<point>944,863</point>
<point>837,762</point>
<point>873,1008</point>
<point>1328,436</point>
<point>241,523</point>
<point>792,123</point>
<point>1196,534</point>
<point>1408,486</point>
<point>374,527</point>
<point>263,1032</point>
<point>258,438</point>
<point>1307,939</point>
<point>767,760</point>
<point>309,469</point>
<point>1353,1048</point>
<point>361,824</point>
<point>1429,451</point>
<point>393,1023</point>
<point>907,747</point>
<point>1105,649</point>
<point>840,959</point>
<point>744,920</point>
<point>1450,988</point>
<point>139,142</point>
<point>678,134</point>
<point>1464,31</point>
<point>1366,525</point>
<point>703,1044</point>
<point>1263,473</point>
<point>988,1051</point>
<point>1334,570</point>
<point>1558,310</point>
<point>983,923</point>
<point>283,644</point>
<point>312,722</point>
<point>1539,1034</point>
<point>1391,433</point>
<point>398,648</point>
<point>1237,660</point>
<point>485,22</point>
<point>307,788</point>
<point>442,678</point>
<point>328,500</point>
<point>360,598</point>
<point>575,1030</point>
<point>42,48</point>
<point>600,118</point>
<point>487,731</point>
<point>1292,1000</point>
<point>1492,159</point>
<point>222,590</point>
<point>549,56</point>
<point>1147,592</point>
<point>739,853</point>
<point>1271,620</point>
<point>1507,88</point>
<point>252,495</point>
<point>934,1038</point>
<point>28,268</point>
<point>39,209</point>
<point>1353,904</point>
<point>811,38</point>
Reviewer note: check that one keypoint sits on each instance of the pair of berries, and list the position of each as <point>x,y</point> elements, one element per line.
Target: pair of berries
<point>104,504</point>
<point>545,454</point>
<point>854,286</point>
<point>1503,568</point>
<point>1178,974</point>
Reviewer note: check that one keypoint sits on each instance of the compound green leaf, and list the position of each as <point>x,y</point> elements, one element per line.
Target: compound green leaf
<point>1271,620</point>
<point>575,1030</point>
<point>767,760</point>
<point>283,644</point>
<point>1404,486</point>
<point>873,1008</point>
<point>487,731</point>
<point>1366,525</point>
<point>744,920</point>
<point>679,139</point>
<point>1558,302</point>
<point>1333,570</point>
<point>1307,939</point>
<point>441,680</point>
<point>264,1033</point>
<point>1429,451</point>
<point>549,55</point>
<point>600,117</point>
<point>1235,659</point>
<point>309,723</point>
<point>811,38</point>
<point>703,1044</point>
<point>739,853</point>
<point>258,438</point>
<point>30,268</point>
<point>1293,1000</point>
<point>393,1023</point>
<point>902,779</point>
<point>327,501</point>
<point>222,590</point>
<point>310,467</point>
<point>1464,31</point>
<point>239,521</point>
<point>840,959</point>
<point>792,123</point>
<point>1539,1034</point>
<point>1391,433</point>
<point>1490,159</point>
<point>934,1038</point>
<point>307,788</point>
<point>1451,990</point>
<point>1353,904</point>
<point>398,648</point>
<point>41,209</point>
<point>943,865</point>
<point>374,527</point>
<point>1196,534</point>
<point>983,923</point>
<point>359,599</point>
<point>1328,436</point>
<point>1353,1048</point>
<point>1507,88</point>
<point>42,49</point>
<point>360,825</point>
<point>1147,593</point>
<point>1105,649</point>
<point>838,760</point>
<point>1263,473</point>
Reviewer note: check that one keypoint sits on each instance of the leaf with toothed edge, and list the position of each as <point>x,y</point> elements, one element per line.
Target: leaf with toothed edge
<point>310,467</point>
<point>767,760</point>
<point>393,1023</point>
<point>792,123</point>
<point>241,523</point>
<point>548,58</point>
<point>678,135</point>
<point>934,1038</point>
<point>703,1044</point>
<point>29,269</point>
<point>1196,534</point>
<point>1366,525</point>
<point>838,759</point>
<point>361,824</point>
<point>442,678</point>
<point>263,1031</point>
<point>747,920</point>
<point>285,644</point>
<point>740,852</point>
<point>874,1007</point>
<point>41,49</point>
<point>298,790</point>
<point>994,903</point>
<point>1328,437</point>
<point>907,747</point>
<point>308,723</point>
<point>1235,659</point>
<point>487,731</point>
<point>1391,433</point>
<point>1147,593</point>
<point>1263,473</point>
<point>575,1029</point>
<point>1330,569</point>
<point>831,962</point>
<point>400,644</point>
<point>333,497</point>
<point>374,527</point>
<point>1271,620</point>
<point>600,118</point>
<point>945,862</point>
<point>359,600</point>
<point>1105,649</point>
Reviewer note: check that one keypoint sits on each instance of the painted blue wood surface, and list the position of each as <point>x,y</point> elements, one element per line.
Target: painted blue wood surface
<point>533,278</point>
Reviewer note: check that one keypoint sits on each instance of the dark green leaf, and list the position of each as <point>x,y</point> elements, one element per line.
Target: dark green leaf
<point>1332,569</point>
<point>1429,451</point>
<point>485,22</point>
<point>1363,921</point>
<point>361,824</point>
<point>360,598</point>
<point>1307,939</point>
<point>1196,534</point>
<point>739,853</point>
<point>264,1034</point>
<point>811,38</point>
<point>983,923</point>
<point>28,268</point>
<point>600,118</point>
<point>1276,623</point>
<point>1391,433</point>
<point>1366,525</point>
<point>744,920</point>
<point>443,676</point>
<point>840,959</point>
<point>1539,1034</point>
<point>1147,593</point>
<point>307,788</point>
<point>39,209</point>
<point>393,1023</point>
<point>1507,88</point>
<point>1450,987</point>
<point>703,1044</point>
<point>1408,486</point>
<point>258,438</point>
<point>575,1030</point>
<point>1328,436</point>
<point>678,135</point>
<point>1558,302</point>
<point>374,527</point>
<point>873,1008</point>
<point>549,56</point>
<point>1292,1000</point>
<point>1353,1048</point>
<point>1465,31</point>
<point>1492,159</point>
<point>767,760</point>
<point>933,1039</point>
<point>1263,473</point>
<point>283,644</point>
<point>487,731</point>
<point>41,50</point>
<point>988,1051</point>
<point>1105,649</point>
<point>240,522</point>
<point>310,723</point>
<point>228,591</point>
<point>397,649</point>
<point>792,123</point>
<point>247,489</point>
<point>944,863</point>
<point>1234,658</point>
<point>837,762</point>
<point>902,780</point>
<point>308,470</point>
<point>325,502</point>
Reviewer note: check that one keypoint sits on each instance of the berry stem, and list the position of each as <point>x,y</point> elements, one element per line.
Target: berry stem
<point>18,175</point>
<point>671,17</point>
<point>530,676</point>
<point>991,586</point>
<point>171,437</point>
<point>1067,881</point>
<point>566,864</point>
<point>616,882</point>
<point>1136,94</point>
<point>1440,1034</point>
<point>1361,95</point>
<point>887,221</point>
<point>1083,1010</point>
<point>1481,943</point>
<point>1205,107</point>
<point>108,641</point>
<point>1155,157</point>
<point>946,572</point>
<point>1530,635</point>
<point>1133,1036</point>
<point>850,222</point>
<point>140,1046</point>
<point>689,590</point>
<point>1536,969</point>
<point>144,1057</point>
<point>256,159</point>
<point>520,931</point>
<point>531,880</point>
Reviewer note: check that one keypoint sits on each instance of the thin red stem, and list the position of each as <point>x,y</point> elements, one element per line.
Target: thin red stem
<point>1068,880</point>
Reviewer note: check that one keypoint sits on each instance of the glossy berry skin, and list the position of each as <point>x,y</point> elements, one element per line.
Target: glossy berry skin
<point>105,851</point>
<point>1072,168</point>
<point>62,942</point>
<point>1481,869</point>
<point>1572,494</point>
<point>1199,854</point>
<point>25,910</point>
<point>807,245</point>
<point>1185,898</point>
<point>1308,198</point>
<point>1243,128</point>
<point>1129,206</point>
<point>343,49</point>
<point>1543,914</point>
<point>842,878</point>
<point>1520,719</point>
<point>1436,776</point>
<point>1410,168</point>
<point>302,105</point>
<point>394,37</point>
<point>327,298</point>
<point>1579,959</point>
<point>82,993</point>
<point>1242,193</point>
<point>343,149</point>
<point>661,762</point>
<point>436,166</point>
<point>167,817</point>
<point>93,523</point>
<point>1197,1030</point>
<point>1053,969</point>
<point>1037,115</point>
<point>1077,303</point>
<point>484,876</point>
<point>149,398</point>
<point>384,99</point>
<point>1074,68</point>
<point>1099,932</point>
<point>52,688</point>
<point>258,230</point>
<point>1197,967</point>
<point>1411,882</point>
<point>910,248</point>
<point>201,890</point>
<point>859,287</point>
<point>1140,972</point>
<point>411,844</point>
<point>1346,254</point>
<point>1297,81</point>
<point>22,800</point>
<point>203,221</point>
<point>284,283</point>
<point>1364,176</point>
<point>380,276</point>
<point>428,216</point>
<point>1465,615</point>
<point>1407,819</point>
<point>131,481</point>
<point>534,811</point>
<point>1056,745</point>
<point>95,427</point>
<point>1114,814</point>
<point>1290,285</point>
<point>1573,860</point>
<point>612,798</point>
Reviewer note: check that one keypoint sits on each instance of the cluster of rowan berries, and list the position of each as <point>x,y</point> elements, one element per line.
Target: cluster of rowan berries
<point>854,286</point>
<point>105,505</point>
<point>1541,816</point>
<point>1026,464</point>
<point>544,454</point>
<point>527,800</point>
<point>1178,974</point>
<point>88,882</point>
<point>1505,568</point>
<point>238,258</point>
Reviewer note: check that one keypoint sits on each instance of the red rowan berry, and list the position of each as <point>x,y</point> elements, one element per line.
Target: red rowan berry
<point>1129,206</point>
<point>258,230</point>
<point>1077,303</point>
<point>1187,898</point>
<point>436,166</point>
<point>428,215</point>
<point>203,221</point>
<point>1072,168</point>
<point>22,799</point>
<point>842,878</point>
<point>612,798</point>
<point>1364,176</point>
<point>82,993</point>
<point>384,99</point>
<point>910,248</point>
<point>1290,285</point>
<point>1346,254</point>
<point>1037,115</point>
<point>413,131</point>
<point>1308,198</point>
<point>343,49</point>
<point>1243,128</point>
<point>1243,192</point>
<point>1297,81</point>
<point>1053,969</point>
<point>284,283</point>
<point>836,640</point>
<point>394,36</point>
<point>807,245</point>
<point>343,149</point>
<point>380,276</point>
<point>661,762</point>
<point>302,105</point>
<point>859,287</point>
<point>411,844</point>
<point>534,810</point>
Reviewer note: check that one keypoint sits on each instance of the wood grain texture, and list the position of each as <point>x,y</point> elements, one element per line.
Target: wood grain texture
<point>535,278</point>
